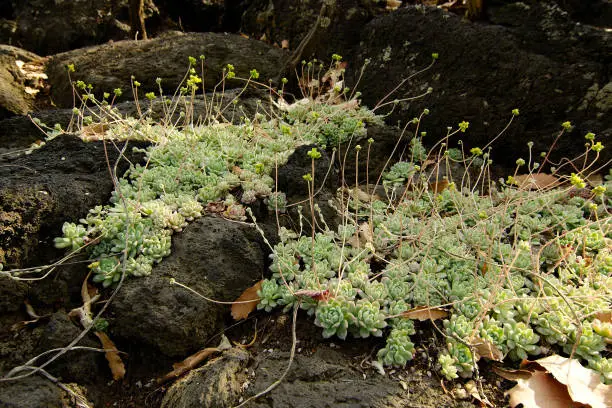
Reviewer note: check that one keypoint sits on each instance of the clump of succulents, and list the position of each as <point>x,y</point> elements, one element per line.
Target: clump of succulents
<point>187,169</point>
<point>522,270</point>
<point>517,266</point>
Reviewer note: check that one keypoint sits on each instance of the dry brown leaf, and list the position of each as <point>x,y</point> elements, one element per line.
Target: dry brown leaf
<point>423,313</point>
<point>541,390</point>
<point>94,132</point>
<point>246,302</point>
<point>188,364</point>
<point>362,236</point>
<point>486,349</point>
<point>604,316</point>
<point>318,295</point>
<point>512,374</point>
<point>114,361</point>
<point>438,186</point>
<point>393,4</point>
<point>472,388</point>
<point>537,181</point>
<point>583,384</point>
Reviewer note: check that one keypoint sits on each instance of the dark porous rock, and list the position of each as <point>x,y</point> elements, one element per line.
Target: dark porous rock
<point>325,379</point>
<point>389,146</point>
<point>82,366</point>
<point>111,66</point>
<point>213,256</point>
<point>33,391</point>
<point>292,183</point>
<point>13,81</point>
<point>217,384</point>
<point>19,133</point>
<point>484,72</point>
<point>313,30</point>
<point>56,183</point>
<point>12,294</point>
<point>49,26</point>
<point>203,16</point>
<point>588,12</point>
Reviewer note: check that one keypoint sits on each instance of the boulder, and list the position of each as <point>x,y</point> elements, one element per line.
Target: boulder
<point>50,26</point>
<point>112,66</point>
<point>18,80</point>
<point>483,72</point>
<point>219,383</point>
<point>215,257</point>
<point>32,391</point>
<point>57,183</point>
<point>81,366</point>
<point>315,28</point>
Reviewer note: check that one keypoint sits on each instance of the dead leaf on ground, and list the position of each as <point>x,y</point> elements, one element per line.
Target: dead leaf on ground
<point>362,236</point>
<point>438,186</point>
<point>583,384</point>
<point>541,390</point>
<point>246,302</point>
<point>114,360</point>
<point>423,313</point>
<point>188,364</point>
<point>393,4</point>
<point>537,181</point>
<point>486,349</point>
<point>604,316</point>
<point>94,132</point>
<point>595,179</point>
<point>472,388</point>
<point>512,374</point>
<point>318,295</point>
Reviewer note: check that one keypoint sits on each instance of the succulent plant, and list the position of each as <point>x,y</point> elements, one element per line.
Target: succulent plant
<point>269,294</point>
<point>334,316</point>
<point>398,350</point>
<point>368,319</point>
<point>74,236</point>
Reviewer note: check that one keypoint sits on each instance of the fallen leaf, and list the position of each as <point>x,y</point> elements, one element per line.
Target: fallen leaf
<point>246,302</point>
<point>472,388</point>
<point>114,360</point>
<point>537,181</point>
<point>362,237</point>
<point>583,384</point>
<point>541,390</point>
<point>604,316</point>
<point>512,374</point>
<point>319,295</point>
<point>423,313</point>
<point>486,349</point>
<point>31,91</point>
<point>188,364</point>
<point>438,186</point>
<point>94,132</point>
<point>393,4</point>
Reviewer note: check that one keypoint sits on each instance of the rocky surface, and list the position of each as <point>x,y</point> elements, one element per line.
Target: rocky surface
<point>484,72</point>
<point>15,81</point>
<point>47,26</point>
<point>528,55</point>
<point>216,258</point>
<point>112,66</point>
<point>58,183</point>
